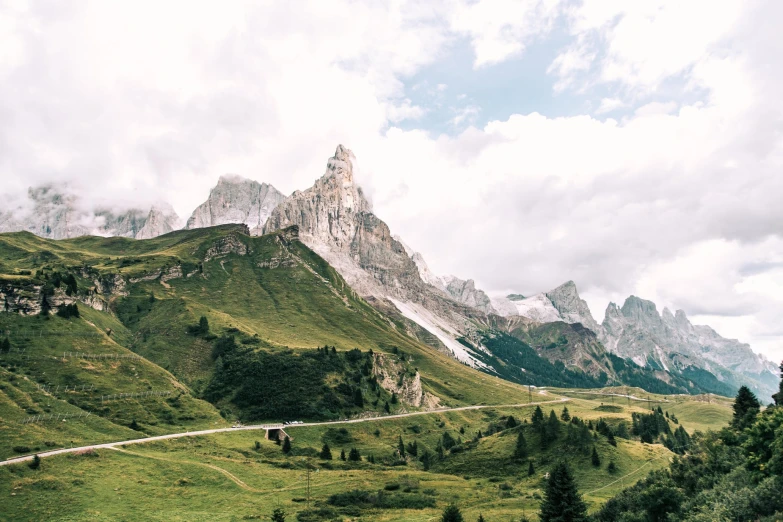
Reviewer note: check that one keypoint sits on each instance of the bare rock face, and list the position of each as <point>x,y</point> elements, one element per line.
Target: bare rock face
<point>571,307</point>
<point>394,377</point>
<point>236,200</point>
<point>669,341</point>
<point>336,220</point>
<point>159,221</point>
<point>466,293</point>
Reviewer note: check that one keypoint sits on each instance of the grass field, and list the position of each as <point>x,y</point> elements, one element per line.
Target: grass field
<point>225,477</point>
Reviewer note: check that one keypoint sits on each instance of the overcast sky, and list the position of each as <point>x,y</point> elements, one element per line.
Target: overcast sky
<point>634,147</point>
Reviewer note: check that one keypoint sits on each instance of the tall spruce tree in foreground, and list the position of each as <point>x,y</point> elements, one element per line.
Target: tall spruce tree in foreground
<point>746,408</point>
<point>278,515</point>
<point>287,445</point>
<point>451,514</point>
<point>562,501</point>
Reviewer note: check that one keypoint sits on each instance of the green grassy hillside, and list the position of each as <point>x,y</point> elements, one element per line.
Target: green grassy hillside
<point>228,477</point>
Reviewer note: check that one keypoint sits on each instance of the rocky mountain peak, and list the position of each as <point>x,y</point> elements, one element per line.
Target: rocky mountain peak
<point>236,200</point>
<point>635,307</point>
<point>573,309</point>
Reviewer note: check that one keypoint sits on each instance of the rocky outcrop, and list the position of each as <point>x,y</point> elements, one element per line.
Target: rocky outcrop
<point>394,376</point>
<point>237,200</point>
<point>230,244</point>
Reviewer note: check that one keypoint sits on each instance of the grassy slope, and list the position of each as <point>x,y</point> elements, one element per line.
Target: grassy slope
<point>177,483</point>
<point>303,306</point>
<point>44,341</point>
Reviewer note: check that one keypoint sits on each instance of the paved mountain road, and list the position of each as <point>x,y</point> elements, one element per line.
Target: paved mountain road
<point>113,445</point>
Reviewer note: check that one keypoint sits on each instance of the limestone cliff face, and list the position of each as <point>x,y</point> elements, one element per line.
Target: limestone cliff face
<point>669,341</point>
<point>237,200</point>
<point>336,220</point>
<point>571,307</point>
<point>466,293</point>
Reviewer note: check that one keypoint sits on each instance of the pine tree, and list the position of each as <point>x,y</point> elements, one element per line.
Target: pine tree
<point>778,397</point>
<point>480,518</point>
<point>426,459</point>
<point>358,400</point>
<point>538,417</point>
<point>326,453</point>
<point>511,422</point>
<point>612,467</point>
<point>203,325</point>
<point>746,407</point>
<point>565,416</point>
<point>401,448</point>
<point>562,501</point>
<point>595,458</point>
<point>286,445</point>
<point>610,439</point>
<point>342,455</point>
<point>394,399</point>
<point>520,450</point>
<point>35,463</point>
<point>386,407</point>
<point>5,345</point>
<point>530,469</point>
<point>451,514</point>
<point>354,455</point>
<point>552,426</point>
<point>278,515</point>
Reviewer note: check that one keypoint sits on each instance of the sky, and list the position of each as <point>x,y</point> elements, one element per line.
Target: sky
<point>633,147</point>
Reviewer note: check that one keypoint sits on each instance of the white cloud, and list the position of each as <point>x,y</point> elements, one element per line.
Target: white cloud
<point>500,29</point>
<point>609,105</point>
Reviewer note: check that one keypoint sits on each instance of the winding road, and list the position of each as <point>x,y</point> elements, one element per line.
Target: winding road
<point>115,445</point>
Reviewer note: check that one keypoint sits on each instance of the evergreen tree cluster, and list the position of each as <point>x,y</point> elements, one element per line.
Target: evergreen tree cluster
<point>735,474</point>
<point>68,311</point>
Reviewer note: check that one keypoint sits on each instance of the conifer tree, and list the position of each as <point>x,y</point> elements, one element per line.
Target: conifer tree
<point>565,416</point>
<point>552,426</point>
<point>562,501</point>
<point>401,448</point>
<point>520,449</point>
<point>511,422</point>
<point>5,345</point>
<point>612,467</point>
<point>278,515</point>
<point>480,518</point>
<point>452,514</point>
<point>342,455</point>
<point>530,469</point>
<point>595,458</point>
<point>354,455</point>
<point>538,417</point>
<point>286,445</point>
<point>746,407</point>
<point>326,452</point>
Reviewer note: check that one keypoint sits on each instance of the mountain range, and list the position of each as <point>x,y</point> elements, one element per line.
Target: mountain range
<point>501,336</point>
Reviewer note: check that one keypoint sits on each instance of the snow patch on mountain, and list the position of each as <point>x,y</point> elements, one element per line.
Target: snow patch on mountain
<point>440,329</point>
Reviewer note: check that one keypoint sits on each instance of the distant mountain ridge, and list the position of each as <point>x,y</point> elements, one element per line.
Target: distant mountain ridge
<point>57,213</point>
